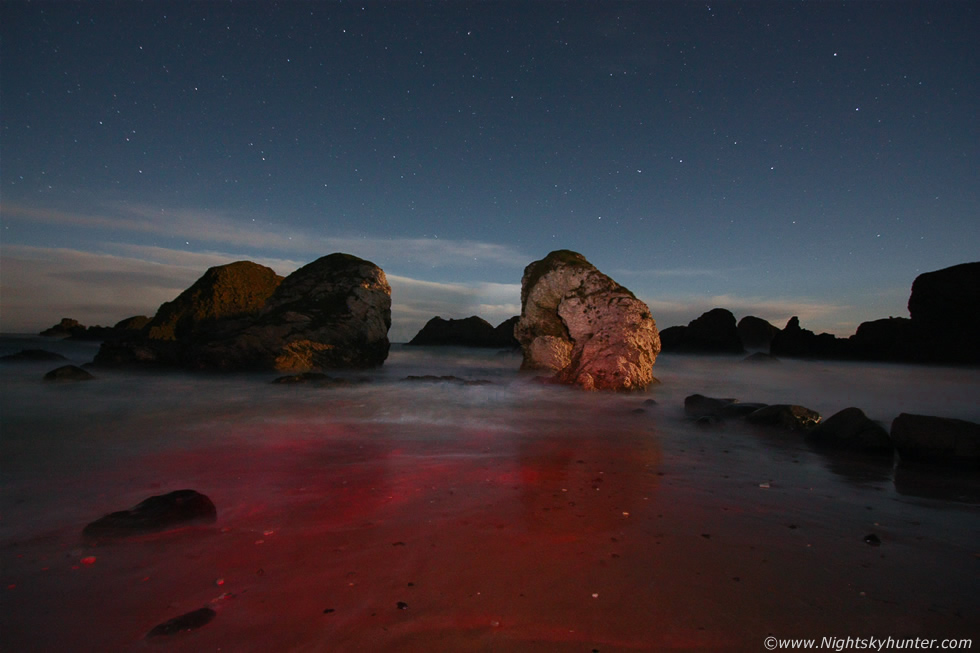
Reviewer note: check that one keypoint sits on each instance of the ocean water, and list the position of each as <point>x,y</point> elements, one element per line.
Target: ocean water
<point>508,515</point>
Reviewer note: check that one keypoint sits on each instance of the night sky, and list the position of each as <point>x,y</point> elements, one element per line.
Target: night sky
<point>774,158</point>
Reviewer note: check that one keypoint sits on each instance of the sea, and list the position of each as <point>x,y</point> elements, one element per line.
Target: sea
<point>483,512</point>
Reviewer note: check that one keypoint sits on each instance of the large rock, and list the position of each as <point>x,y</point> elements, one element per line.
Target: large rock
<point>945,310</point>
<point>889,339</point>
<point>63,329</point>
<point>713,332</point>
<point>332,313</point>
<point>852,430</point>
<point>755,333</point>
<point>468,332</point>
<point>586,328</point>
<point>157,513</point>
<point>942,440</point>
<point>225,291</point>
<point>788,416</point>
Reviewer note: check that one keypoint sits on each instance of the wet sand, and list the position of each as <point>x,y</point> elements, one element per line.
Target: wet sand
<point>564,521</point>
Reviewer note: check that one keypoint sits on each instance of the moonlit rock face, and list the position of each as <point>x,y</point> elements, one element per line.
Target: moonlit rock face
<point>590,330</point>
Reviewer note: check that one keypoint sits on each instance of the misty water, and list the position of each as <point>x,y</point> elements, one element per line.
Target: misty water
<point>506,515</point>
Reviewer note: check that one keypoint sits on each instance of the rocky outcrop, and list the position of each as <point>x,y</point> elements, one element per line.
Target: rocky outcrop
<point>157,513</point>
<point>945,311</point>
<point>928,439</point>
<point>714,332</point>
<point>468,332</point>
<point>755,333</point>
<point>332,313</point>
<point>583,326</point>
<point>796,342</point>
<point>852,430</point>
<point>63,329</point>
<point>890,339</point>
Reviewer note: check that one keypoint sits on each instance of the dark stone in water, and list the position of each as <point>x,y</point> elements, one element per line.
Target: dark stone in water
<point>701,406</point>
<point>401,605</point>
<point>431,378</point>
<point>158,513</point>
<point>937,440</point>
<point>797,418</point>
<point>853,430</point>
<point>872,540</point>
<point>31,356</point>
<point>68,373</point>
<point>190,621</point>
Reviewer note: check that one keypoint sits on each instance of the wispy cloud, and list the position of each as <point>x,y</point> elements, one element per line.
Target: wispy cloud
<point>208,229</point>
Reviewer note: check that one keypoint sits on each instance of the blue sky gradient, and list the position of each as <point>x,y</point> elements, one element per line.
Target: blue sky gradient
<point>775,158</point>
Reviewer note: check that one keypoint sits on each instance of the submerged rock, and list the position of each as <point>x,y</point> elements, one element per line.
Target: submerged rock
<point>32,356</point>
<point>851,429</point>
<point>793,417</point>
<point>938,440</point>
<point>431,378</point>
<point>586,328</point>
<point>68,373</point>
<point>189,621</point>
<point>157,513</point>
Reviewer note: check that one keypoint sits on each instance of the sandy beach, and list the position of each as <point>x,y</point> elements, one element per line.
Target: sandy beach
<point>502,517</point>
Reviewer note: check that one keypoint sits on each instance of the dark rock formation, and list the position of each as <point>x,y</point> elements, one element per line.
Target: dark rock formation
<point>63,329</point>
<point>797,342</point>
<point>189,621</point>
<point>505,333</point>
<point>852,430</point>
<point>713,332</point>
<point>67,373</point>
<point>890,339</point>
<point>755,333</point>
<point>32,356</point>
<point>158,513</point>
<point>700,407</point>
<point>796,418</point>
<point>945,310</point>
<point>317,379</point>
<point>588,329</point>
<point>469,332</point>
<point>927,439</point>
<point>332,313</point>
<point>72,329</point>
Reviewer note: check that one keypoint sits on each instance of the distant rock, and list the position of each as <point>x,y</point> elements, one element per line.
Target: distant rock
<point>713,332</point>
<point>505,333</point>
<point>318,379</point>
<point>755,333</point>
<point>32,356</point>
<point>796,342</point>
<point>937,440</point>
<point>157,513</point>
<point>431,378</point>
<point>792,417</point>
<point>700,406</point>
<point>468,332</point>
<point>852,430</point>
<point>67,373</point>
<point>588,329</point>
<point>332,313</point>
<point>63,329</point>
<point>945,311</point>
